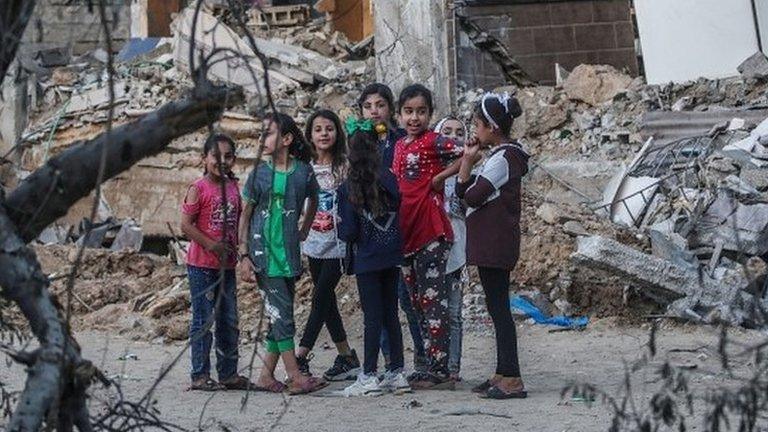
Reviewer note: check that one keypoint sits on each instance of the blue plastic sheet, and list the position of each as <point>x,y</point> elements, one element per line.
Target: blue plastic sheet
<point>539,317</point>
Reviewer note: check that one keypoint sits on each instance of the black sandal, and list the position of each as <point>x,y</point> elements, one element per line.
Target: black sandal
<point>497,393</point>
<point>482,387</point>
<point>206,384</point>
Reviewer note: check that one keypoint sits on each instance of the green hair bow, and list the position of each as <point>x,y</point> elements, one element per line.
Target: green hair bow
<point>353,125</point>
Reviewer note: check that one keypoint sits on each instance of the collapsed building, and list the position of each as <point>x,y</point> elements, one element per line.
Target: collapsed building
<point>652,194</point>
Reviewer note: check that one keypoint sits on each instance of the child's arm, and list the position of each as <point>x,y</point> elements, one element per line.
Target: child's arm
<point>244,264</point>
<point>475,190</point>
<point>309,216</point>
<point>189,228</point>
<point>313,191</point>
<point>348,224</point>
<point>438,181</point>
<point>449,153</point>
<point>244,228</point>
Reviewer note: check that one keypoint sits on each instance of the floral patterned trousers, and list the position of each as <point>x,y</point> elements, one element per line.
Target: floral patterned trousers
<point>424,275</point>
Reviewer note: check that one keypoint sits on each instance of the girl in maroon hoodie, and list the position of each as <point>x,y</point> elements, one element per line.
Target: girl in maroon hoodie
<point>493,200</point>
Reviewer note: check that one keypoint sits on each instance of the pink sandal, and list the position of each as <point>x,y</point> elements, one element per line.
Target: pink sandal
<point>312,384</point>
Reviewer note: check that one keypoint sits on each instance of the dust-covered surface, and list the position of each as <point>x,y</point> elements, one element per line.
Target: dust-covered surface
<point>549,361</point>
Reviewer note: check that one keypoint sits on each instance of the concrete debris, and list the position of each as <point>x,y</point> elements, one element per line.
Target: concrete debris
<point>755,66</point>
<point>575,229</point>
<point>128,238</point>
<point>660,279</point>
<point>595,84</point>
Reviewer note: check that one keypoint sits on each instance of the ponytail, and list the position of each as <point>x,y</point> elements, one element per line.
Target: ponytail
<point>499,111</point>
<point>298,149</point>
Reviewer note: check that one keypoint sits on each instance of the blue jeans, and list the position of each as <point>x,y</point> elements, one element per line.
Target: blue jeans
<point>419,355</point>
<point>205,287</point>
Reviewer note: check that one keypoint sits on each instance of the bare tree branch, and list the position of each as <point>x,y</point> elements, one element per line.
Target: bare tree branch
<point>14,17</point>
<point>72,174</point>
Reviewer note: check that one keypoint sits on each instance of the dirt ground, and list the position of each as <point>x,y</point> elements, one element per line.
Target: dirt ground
<point>549,362</point>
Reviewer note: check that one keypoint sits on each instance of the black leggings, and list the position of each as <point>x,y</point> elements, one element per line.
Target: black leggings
<point>326,274</point>
<point>496,286</point>
<point>378,297</point>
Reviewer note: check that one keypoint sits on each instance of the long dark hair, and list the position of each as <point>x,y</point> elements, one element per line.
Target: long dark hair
<point>299,148</point>
<point>339,149</point>
<point>363,179</point>
<point>211,143</point>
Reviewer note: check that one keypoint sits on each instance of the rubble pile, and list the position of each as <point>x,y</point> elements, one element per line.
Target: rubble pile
<point>638,196</point>
<point>146,296</point>
<point>71,102</point>
<point>668,178</point>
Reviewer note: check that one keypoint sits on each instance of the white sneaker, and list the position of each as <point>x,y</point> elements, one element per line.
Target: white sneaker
<point>395,382</point>
<point>366,385</point>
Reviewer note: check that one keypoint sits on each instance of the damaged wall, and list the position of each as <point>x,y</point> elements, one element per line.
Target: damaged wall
<point>413,41</point>
<point>540,34</point>
<point>57,24</point>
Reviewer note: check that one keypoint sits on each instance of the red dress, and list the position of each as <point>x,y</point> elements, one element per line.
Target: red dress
<point>422,213</point>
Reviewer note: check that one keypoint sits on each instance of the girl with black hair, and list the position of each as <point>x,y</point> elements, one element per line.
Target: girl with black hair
<point>324,249</point>
<point>377,103</point>
<point>423,161</point>
<point>275,195</point>
<point>210,221</point>
<point>493,199</point>
<point>368,205</point>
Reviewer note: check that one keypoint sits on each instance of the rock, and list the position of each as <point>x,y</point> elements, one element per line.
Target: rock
<point>755,66</point>
<point>552,214</point>
<point>574,229</point>
<point>564,306</point>
<point>586,121</point>
<point>757,178</point>
<point>64,76</point>
<point>683,104</point>
<point>538,299</point>
<point>128,238</point>
<point>595,84</point>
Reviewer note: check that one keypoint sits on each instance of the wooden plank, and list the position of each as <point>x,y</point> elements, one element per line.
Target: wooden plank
<point>159,16</point>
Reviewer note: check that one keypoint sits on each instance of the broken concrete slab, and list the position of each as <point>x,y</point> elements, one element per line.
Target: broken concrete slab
<point>756,66</point>
<point>757,178</point>
<point>589,177</point>
<point>595,84</point>
<point>661,279</point>
<point>129,238</point>
<point>575,229</point>
<point>668,126</point>
<point>304,60</point>
<point>96,98</point>
<point>234,63</point>
<point>672,247</point>
<point>740,227</point>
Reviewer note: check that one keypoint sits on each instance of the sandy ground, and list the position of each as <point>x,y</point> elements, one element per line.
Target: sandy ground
<point>549,360</point>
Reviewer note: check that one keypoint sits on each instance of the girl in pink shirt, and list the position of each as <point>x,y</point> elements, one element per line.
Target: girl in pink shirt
<point>210,216</point>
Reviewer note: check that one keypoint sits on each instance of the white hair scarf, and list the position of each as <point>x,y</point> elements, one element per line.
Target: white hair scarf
<point>502,99</point>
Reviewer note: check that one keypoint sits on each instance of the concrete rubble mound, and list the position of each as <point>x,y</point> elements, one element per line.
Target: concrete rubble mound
<point>639,197</point>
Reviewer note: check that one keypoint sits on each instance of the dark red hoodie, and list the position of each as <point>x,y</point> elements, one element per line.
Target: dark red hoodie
<point>493,200</point>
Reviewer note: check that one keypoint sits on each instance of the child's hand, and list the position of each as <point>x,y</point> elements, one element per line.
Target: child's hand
<point>438,184</point>
<point>220,248</point>
<point>472,151</point>
<point>245,271</point>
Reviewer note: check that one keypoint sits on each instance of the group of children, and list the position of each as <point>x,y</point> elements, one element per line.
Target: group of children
<point>402,206</point>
